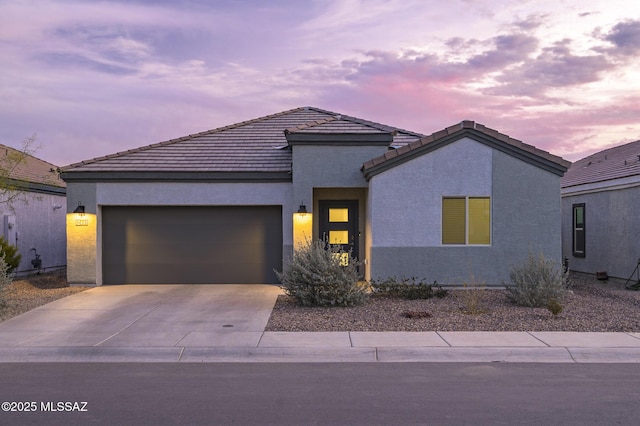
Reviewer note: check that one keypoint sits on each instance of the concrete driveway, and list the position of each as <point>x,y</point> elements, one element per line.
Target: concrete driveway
<point>147,316</point>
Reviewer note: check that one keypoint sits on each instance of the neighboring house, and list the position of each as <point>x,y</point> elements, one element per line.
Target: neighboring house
<point>600,204</point>
<point>231,204</point>
<point>34,219</point>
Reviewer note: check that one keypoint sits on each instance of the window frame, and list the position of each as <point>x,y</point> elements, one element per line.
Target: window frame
<point>466,221</point>
<point>574,230</point>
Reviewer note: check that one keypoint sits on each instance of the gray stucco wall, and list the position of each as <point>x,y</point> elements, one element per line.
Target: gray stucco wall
<point>328,166</point>
<point>525,215</point>
<point>38,221</point>
<point>612,232</point>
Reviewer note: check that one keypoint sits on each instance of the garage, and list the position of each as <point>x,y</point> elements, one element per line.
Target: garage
<point>191,244</point>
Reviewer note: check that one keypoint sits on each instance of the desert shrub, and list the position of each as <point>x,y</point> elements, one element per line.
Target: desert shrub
<point>407,288</point>
<point>536,281</point>
<point>472,297</point>
<point>554,307</point>
<point>317,276</point>
<point>10,255</point>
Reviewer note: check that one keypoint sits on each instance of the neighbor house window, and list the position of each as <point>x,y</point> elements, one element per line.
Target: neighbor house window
<point>578,230</point>
<point>466,220</point>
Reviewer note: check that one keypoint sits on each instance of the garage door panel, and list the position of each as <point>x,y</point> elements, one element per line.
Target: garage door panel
<point>196,245</point>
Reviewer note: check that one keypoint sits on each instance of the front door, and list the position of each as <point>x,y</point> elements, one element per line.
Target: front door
<point>338,224</point>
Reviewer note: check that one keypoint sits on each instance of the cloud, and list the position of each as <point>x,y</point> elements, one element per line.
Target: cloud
<point>505,50</point>
<point>625,36</point>
<point>70,61</point>
<point>531,22</point>
<point>109,77</point>
<point>555,67</point>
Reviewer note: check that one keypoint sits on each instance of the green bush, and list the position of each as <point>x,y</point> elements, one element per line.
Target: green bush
<point>537,281</point>
<point>407,288</point>
<point>10,255</point>
<point>316,276</point>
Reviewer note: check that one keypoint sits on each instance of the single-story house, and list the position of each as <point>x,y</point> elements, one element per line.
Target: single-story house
<point>33,210</point>
<point>600,202</point>
<point>230,205</point>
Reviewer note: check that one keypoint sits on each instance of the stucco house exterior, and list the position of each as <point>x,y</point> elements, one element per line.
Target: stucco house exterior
<point>231,204</point>
<point>34,219</point>
<point>600,202</point>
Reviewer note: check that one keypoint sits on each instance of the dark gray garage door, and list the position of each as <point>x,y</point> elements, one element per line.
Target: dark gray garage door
<point>191,245</point>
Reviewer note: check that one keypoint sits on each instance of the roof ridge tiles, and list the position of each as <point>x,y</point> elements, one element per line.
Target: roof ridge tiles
<point>374,124</point>
<point>310,124</point>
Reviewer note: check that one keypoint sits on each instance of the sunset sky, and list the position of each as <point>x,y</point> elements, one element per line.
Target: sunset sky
<point>94,78</point>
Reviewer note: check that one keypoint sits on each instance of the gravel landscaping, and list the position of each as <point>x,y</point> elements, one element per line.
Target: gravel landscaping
<point>590,306</point>
<point>27,293</point>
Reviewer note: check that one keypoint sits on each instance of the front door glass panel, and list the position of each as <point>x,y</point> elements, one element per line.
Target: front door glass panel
<point>338,215</point>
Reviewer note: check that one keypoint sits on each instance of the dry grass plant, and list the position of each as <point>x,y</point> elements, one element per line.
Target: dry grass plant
<point>472,297</point>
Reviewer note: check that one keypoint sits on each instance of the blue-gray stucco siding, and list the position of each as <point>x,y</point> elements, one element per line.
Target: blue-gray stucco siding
<point>526,216</point>
<point>612,231</point>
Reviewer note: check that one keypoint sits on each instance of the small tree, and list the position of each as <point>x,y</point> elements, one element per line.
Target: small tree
<point>11,186</point>
<point>318,275</point>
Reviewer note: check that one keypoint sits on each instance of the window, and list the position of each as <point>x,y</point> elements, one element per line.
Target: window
<point>578,230</point>
<point>466,220</point>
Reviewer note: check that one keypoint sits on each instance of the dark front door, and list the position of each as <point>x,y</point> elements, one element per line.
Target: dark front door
<point>338,224</point>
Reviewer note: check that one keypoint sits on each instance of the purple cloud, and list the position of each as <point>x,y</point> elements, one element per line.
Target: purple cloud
<point>625,36</point>
<point>555,67</point>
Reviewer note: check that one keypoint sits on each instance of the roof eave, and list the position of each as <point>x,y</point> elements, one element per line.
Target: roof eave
<point>175,176</point>
<point>307,138</point>
<point>377,166</point>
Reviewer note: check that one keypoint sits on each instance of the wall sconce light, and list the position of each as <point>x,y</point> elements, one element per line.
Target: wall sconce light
<point>80,219</point>
<point>302,209</point>
<point>79,209</point>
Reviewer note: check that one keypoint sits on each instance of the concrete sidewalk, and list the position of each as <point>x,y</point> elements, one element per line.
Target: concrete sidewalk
<point>233,346</point>
<point>226,323</point>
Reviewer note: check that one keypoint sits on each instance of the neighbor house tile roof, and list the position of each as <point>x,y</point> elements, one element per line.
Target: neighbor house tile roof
<point>613,163</point>
<point>465,128</point>
<point>257,145</point>
<point>26,168</point>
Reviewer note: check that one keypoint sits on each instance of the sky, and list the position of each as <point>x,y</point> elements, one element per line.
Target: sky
<point>92,78</point>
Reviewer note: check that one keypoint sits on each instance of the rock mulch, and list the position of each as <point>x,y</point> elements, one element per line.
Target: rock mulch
<point>591,305</point>
<point>27,293</point>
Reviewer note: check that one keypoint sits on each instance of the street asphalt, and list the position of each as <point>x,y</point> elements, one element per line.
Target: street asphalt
<point>226,323</point>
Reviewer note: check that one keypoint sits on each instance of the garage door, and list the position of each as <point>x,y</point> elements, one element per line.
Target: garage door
<point>191,245</point>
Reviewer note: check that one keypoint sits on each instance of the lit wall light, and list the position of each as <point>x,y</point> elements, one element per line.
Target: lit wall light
<point>79,210</point>
<point>302,227</point>
<point>81,220</point>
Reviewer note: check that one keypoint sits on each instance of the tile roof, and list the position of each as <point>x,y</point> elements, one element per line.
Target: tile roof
<point>613,163</point>
<point>457,131</point>
<point>30,169</point>
<point>250,146</point>
<point>343,124</point>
